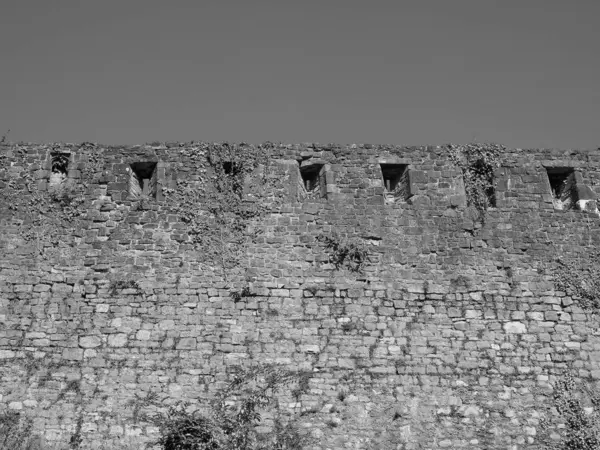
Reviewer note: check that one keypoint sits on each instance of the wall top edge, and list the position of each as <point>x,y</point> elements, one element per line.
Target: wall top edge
<point>307,146</point>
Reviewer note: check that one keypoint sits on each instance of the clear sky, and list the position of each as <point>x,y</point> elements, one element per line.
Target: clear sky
<point>523,73</point>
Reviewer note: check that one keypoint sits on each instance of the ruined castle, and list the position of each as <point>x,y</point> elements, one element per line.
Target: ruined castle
<point>430,296</point>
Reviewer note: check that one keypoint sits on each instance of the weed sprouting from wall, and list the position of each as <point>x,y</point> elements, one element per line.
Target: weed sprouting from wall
<point>47,216</point>
<point>60,162</point>
<point>579,278</point>
<point>183,332</point>
<point>577,407</point>
<point>182,430</point>
<point>233,417</point>
<point>16,432</point>
<point>218,209</point>
<point>349,253</point>
<point>69,198</point>
<point>478,162</point>
<point>237,296</point>
<point>117,285</point>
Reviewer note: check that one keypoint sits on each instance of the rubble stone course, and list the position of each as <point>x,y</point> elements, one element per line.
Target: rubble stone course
<point>450,336</point>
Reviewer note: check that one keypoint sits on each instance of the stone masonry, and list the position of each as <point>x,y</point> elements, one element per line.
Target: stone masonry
<point>450,337</point>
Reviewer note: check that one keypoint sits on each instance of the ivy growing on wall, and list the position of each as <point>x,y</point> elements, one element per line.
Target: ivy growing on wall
<point>60,162</point>
<point>579,429</point>
<point>47,217</point>
<point>220,207</point>
<point>478,162</point>
<point>344,252</point>
<point>233,418</point>
<point>41,215</point>
<point>579,278</point>
<point>222,191</point>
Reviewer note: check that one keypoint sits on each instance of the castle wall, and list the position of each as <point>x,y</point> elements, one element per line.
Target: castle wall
<point>449,335</point>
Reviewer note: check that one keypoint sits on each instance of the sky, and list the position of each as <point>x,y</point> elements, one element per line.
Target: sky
<point>522,73</point>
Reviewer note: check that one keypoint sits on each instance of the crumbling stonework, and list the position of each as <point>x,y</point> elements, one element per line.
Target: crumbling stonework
<point>449,335</point>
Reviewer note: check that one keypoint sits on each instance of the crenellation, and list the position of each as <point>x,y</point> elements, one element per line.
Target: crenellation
<point>454,321</point>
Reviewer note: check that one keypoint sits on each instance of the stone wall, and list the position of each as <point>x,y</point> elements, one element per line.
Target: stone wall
<point>450,336</point>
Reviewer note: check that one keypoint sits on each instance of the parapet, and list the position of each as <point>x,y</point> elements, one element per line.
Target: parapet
<point>423,296</point>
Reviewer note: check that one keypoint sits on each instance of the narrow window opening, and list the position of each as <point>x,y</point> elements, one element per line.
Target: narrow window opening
<point>143,180</point>
<point>562,187</point>
<point>60,167</point>
<point>231,168</point>
<point>395,180</point>
<point>311,177</point>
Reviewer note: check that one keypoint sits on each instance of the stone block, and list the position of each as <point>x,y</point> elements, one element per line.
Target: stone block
<point>41,288</point>
<point>90,341</point>
<point>23,288</point>
<point>143,335</point>
<point>473,314</point>
<point>117,340</point>
<point>515,328</point>
<point>454,312</point>
<point>186,344</point>
<point>72,354</point>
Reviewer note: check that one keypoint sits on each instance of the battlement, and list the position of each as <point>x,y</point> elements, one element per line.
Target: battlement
<point>428,175</point>
<point>439,288</point>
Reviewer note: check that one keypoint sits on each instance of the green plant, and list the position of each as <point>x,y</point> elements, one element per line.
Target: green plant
<point>285,436</point>
<point>73,386</point>
<point>478,162</point>
<point>16,432</point>
<point>143,401</point>
<point>579,277</point>
<point>46,218</point>
<point>69,197</point>
<point>237,296</point>
<point>232,418</point>
<point>581,428</point>
<point>116,285</point>
<point>60,162</point>
<point>312,289</point>
<point>272,312</point>
<point>76,439</point>
<point>302,386</point>
<point>181,430</point>
<point>348,326</point>
<point>219,208</point>
<point>350,253</point>
<point>460,281</point>
<point>143,204</point>
<point>331,423</point>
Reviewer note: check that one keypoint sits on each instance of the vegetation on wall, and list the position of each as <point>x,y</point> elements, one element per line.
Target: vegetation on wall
<point>579,278</point>
<point>478,162</point>
<point>16,432</point>
<point>45,216</point>
<point>60,162</point>
<point>233,417</point>
<point>578,416</point>
<point>219,207</point>
<point>117,285</point>
<point>225,189</point>
<point>216,207</point>
<point>344,252</point>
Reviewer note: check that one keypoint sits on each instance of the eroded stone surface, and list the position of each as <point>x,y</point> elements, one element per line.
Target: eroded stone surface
<point>452,326</point>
